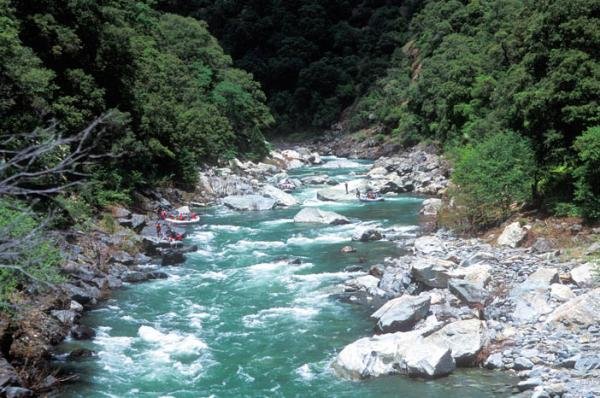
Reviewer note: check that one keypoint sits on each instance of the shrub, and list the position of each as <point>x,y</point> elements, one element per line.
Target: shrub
<point>587,175</point>
<point>30,256</point>
<point>491,176</point>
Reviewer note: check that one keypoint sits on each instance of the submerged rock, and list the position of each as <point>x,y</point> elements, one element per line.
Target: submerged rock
<point>314,215</point>
<point>367,235</point>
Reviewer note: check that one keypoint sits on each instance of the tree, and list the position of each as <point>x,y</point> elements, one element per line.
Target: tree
<point>587,174</point>
<point>491,176</point>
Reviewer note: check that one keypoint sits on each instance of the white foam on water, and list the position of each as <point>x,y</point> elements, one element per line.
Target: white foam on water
<point>325,276</point>
<point>231,228</point>
<point>112,355</point>
<point>248,245</point>
<point>202,236</point>
<point>171,343</point>
<point>327,238</point>
<point>263,316</point>
<point>214,275</point>
<point>280,221</point>
<point>282,265</point>
<point>305,372</point>
<point>244,376</point>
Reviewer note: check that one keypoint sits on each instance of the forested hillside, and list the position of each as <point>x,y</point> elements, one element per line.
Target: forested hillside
<point>473,70</point>
<point>177,100</point>
<point>312,57</point>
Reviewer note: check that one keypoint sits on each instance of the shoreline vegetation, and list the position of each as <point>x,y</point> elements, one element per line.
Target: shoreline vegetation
<point>112,110</point>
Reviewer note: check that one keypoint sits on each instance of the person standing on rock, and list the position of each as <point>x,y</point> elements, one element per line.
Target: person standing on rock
<point>158,229</point>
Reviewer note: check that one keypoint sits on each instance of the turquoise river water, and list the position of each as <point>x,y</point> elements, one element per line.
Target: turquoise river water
<point>236,320</point>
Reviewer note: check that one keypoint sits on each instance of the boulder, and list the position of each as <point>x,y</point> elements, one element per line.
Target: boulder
<point>402,313</point>
<point>467,291</point>
<point>82,332</point>
<point>429,361</point>
<point>432,272</point>
<point>282,198</point>
<point>494,361</point>
<point>338,192</point>
<point>583,275</point>
<point>464,338</point>
<point>316,180</point>
<point>249,202</point>
<point>347,249</point>
<point>172,257</point>
<point>561,292</point>
<point>135,277</point>
<point>122,257</point>
<point>530,296</point>
<point>379,355</point>
<point>582,311</point>
<point>315,215</point>
<point>8,374</point>
<point>512,235</point>
<point>120,212</point>
<point>138,221</point>
<point>431,207</point>
<point>315,158</point>
<point>429,245</point>
<point>83,294</point>
<point>367,235</point>
<point>68,317</point>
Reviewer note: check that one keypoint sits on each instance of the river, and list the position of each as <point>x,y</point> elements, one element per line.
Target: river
<point>238,320</point>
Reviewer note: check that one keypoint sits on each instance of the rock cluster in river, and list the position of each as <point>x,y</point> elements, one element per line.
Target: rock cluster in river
<point>456,302</point>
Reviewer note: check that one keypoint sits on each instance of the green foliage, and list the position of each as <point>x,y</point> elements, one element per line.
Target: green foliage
<point>492,175</point>
<point>40,260</point>
<point>180,102</point>
<point>587,192</point>
<point>313,58</point>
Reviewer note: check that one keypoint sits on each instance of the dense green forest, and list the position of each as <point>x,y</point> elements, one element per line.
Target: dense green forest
<point>313,58</point>
<point>176,99</point>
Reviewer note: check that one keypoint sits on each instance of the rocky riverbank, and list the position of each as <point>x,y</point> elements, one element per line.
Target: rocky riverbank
<point>456,302</point>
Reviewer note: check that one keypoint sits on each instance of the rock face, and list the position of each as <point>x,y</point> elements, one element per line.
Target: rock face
<point>464,338</point>
<point>314,215</point>
<point>582,311</point>
<point>282,198</point>
<point>429,245</point>
<point>249,202</point>
<point>402,313</point>
<point>512,235</point>
<point>338,192</point>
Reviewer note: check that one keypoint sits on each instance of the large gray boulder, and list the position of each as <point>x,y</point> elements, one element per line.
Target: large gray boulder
<point>464,338</point>
<point>429,245</point>
<point>583,275</point>
<point>432,272</point>
<point>512,235</point>
<point>530,296</point>
<point>367,235</point>
<point>338,192</point>
<point>249,202</point>
<point>282,198</point>
<point>387,354</point>
<point>429,360</point>
<point>581,312</point>
<point>467,291</point>
<point>315,215</point>
<point>402,313</point>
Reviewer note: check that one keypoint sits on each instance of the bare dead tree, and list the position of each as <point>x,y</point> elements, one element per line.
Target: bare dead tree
<point>23,175</point>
